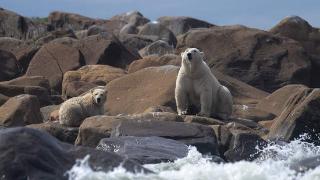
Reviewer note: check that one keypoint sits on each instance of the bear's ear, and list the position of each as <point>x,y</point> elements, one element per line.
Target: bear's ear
<point>202,55</point>
<point>91,91</point>
<point>181,54</point>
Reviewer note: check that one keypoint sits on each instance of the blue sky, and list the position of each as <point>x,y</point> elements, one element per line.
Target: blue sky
<point>261,14</point>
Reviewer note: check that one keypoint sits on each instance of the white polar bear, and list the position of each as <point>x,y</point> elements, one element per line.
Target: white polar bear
<point>196,85</point>
<point>74,110</point>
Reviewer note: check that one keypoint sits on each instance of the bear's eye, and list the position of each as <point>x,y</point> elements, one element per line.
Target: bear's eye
<point>194,51</point>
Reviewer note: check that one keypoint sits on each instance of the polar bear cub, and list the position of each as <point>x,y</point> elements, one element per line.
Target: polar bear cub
<point>74,110</point>
<point>196,85</point>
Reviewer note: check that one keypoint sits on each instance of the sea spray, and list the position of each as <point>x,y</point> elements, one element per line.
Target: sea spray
<point>273,163</point>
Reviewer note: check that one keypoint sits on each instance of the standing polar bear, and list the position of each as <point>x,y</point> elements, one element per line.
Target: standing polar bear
<point>196,85</point>
<point>73,111</point>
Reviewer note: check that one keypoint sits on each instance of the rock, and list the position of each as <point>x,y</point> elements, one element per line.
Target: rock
<point>20,111</point>
<point>55,35</point>
<point>296,28</point>
<point>135,42</point>
<point>252,113</point>
<point>202,137</point>
<point>13,90</point>
<point>157,48</point>
<point>224,137</point>
<point>95,30</point>
<point>51,159</point>
<point>62,133</point>
<point>154,61</point>
<point>135,92</point>
<point>202,120</point>
<point>104,50</point>
<point>39,81</point>
<point>145,150</point>
<point>16,26</point>
<point>276,102</point>
<point>3,99</point>
<point>58,19</point>
<point>47,110</point>
<point>256,57</point>
<point>133,17</point>
<point>300,115</point>
<point>158,116</point>
<point>89,76</point>
<point>243,146</point>
<point>9,66</point>
<point>52,61</point>
<point>20,49</point>
<point>128,29</point>
<point>160,31</point>
<point>159,109</point>
<point>180,25</point>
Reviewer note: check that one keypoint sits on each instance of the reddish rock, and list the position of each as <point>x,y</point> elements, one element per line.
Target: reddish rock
<point>52,61</point>
<point>256,57</point>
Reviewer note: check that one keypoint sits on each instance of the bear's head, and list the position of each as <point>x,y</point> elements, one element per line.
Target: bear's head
<point>192,55</point>
<point>99,96</point>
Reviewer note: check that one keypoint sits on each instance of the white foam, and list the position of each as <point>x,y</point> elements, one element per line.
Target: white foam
<point>273,164</point>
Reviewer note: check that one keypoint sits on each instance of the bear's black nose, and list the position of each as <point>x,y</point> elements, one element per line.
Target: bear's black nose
<point>98,100</point>
<point>189,56</point>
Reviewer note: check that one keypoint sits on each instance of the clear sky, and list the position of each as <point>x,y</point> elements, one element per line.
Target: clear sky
<point>261,14</point>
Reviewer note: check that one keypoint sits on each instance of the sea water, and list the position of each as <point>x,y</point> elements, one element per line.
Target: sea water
<point>273,164</point>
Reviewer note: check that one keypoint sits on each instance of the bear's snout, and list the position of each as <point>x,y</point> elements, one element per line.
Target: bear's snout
<point>189,56</point>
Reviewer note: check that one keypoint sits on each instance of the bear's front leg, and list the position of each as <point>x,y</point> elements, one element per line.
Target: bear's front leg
<point>206,103</point>
<point>181,101</point>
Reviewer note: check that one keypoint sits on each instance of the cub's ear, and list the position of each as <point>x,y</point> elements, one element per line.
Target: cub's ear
<point>202,55</point>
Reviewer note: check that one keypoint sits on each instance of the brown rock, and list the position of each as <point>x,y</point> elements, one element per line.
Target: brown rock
<point>29,81</point>
<point>202,120</point>
<point>160,31</point>
<point>256,57</point>
<point>79,81</point>
<point>133,17</point>
<point>22,51</point>
<point>9,66</point>
<point>180,25</point>
<point>135,92</point>
<point>63,133</point>
<point>20,111</point>
<point>56,34</point>
<point>100,49</point>
<point>157,48</point>
<point>135,42</point>
<point>159,109</point>
<point>13,90</point>
<point>47,112</point>
<point>300,115</point>
<point>252,113</point>
<point>300,30</point>
<point>3,99</point>
<point>52,61</point>
<point>154,61</point>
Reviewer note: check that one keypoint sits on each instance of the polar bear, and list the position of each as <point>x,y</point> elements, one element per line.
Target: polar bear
<point>74,110</point>
<point>196,85</point>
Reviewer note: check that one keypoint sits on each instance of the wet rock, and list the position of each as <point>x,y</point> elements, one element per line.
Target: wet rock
<point>51,159</point>
<point>145,150</point>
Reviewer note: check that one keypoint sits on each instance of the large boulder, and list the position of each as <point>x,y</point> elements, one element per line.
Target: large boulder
<point>51,159</point>
<point>14,90</point>
<point>52,61</point>
<point>61,132</point>
<point>20,111</point>
<point>154,61</point>
<point>55,35</point>
<point>160,31</point>
<point>180,24</point>
<point>193,134</point>
<point>296,28</point>
<point>29,81</point>
<point>17,26</point>
<point>145,150</point>
<point>300,115</point>
<point>99,49</point>
<point>88,76</point>
<point>9,66</point>
<point>132,17</point>
<point>256,57</point>
<point>22,51</point>
<point>135,92</point>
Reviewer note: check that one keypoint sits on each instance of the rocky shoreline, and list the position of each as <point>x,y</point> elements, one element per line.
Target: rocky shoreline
<point>272,75</point>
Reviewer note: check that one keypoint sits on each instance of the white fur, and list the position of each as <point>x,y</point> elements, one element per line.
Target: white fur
<point>196,85</point>
<point>73,111</point>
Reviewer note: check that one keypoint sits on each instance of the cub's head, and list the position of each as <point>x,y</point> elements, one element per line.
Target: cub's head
<point>192,55</point>
<point>99,96</point>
